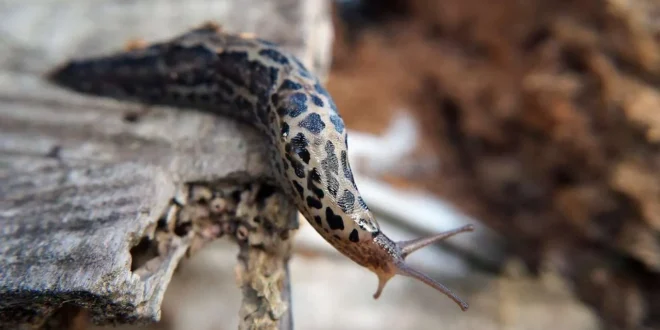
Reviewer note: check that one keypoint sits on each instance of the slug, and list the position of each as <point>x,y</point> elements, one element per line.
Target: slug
<point>256,82</point>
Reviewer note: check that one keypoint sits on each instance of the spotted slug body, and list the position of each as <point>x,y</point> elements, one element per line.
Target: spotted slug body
<point>258,83</point>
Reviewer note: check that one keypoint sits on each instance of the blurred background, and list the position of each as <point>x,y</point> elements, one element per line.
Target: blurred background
<point>537,121</point>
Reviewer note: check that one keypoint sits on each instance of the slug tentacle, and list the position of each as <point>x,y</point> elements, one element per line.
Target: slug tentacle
<point>400,250</point>
<point>263,85</point>
<point>403,269</point>
<point>408,247</point>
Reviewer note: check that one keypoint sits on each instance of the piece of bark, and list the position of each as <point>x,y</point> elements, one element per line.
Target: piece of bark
<point>84,181</point>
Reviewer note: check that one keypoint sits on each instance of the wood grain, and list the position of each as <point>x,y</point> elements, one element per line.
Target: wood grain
<point>81,183</point>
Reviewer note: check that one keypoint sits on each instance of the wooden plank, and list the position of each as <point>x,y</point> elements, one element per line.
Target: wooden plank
<point>81,185</point>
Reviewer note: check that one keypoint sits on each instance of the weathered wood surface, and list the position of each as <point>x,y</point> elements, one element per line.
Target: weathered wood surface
<point>79,184</point>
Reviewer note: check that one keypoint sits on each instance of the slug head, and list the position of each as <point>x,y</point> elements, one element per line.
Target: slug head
<point>396,265</point>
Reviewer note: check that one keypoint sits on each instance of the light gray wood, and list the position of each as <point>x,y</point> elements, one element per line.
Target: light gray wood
<point>79,186</point>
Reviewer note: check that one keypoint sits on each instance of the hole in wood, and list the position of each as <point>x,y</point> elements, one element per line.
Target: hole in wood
<point>144,251</point>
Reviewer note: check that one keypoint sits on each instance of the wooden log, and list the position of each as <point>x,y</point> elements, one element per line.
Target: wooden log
<point>84,181</point>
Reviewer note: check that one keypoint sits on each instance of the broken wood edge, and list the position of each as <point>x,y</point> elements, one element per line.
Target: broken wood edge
<point>265,250</point>
<point>110,293</point>
<point>255,215</point>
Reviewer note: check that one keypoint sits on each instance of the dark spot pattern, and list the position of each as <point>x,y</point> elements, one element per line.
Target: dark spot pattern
<point>335,222</point>
<point>299,189</point>
<point>299,64</point>
<point>299,143</point>
<point>363,205</point>
<point>141,76</point>
<point>198,54</point>
<point>333,106</point>
<point>346,168</point>
<point>241,71</point>
<point>273,74</point>
<point>333,186</point>
<point>330,164</point>
<point>289,84</point>
<point>262,111</point>
<point>302,69</point>
<point>317,100</point>
<point>242,104</point>
<point>314,177</point>
<point>282,111</point>
<point>275,99</point>
<point>313,202</point>
<point>317,219</point>
<point>284,131</point>
<point>266,42</point>
<point>297,104</point>
<point>344,165</point>
<point>354,237</point>
<point>313,123</point>
<point>347,201</point>
<point>224,87</point>
<point>235,65</point>
<point>338,123</point>
<point>298,167</point>
<point>319,89</point>
<point>274,55</point>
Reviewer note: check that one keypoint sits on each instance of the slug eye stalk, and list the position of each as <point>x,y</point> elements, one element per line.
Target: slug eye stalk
<point>405,248</point>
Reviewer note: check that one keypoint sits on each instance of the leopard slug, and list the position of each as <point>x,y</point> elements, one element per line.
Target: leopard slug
<point>254,81</point>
